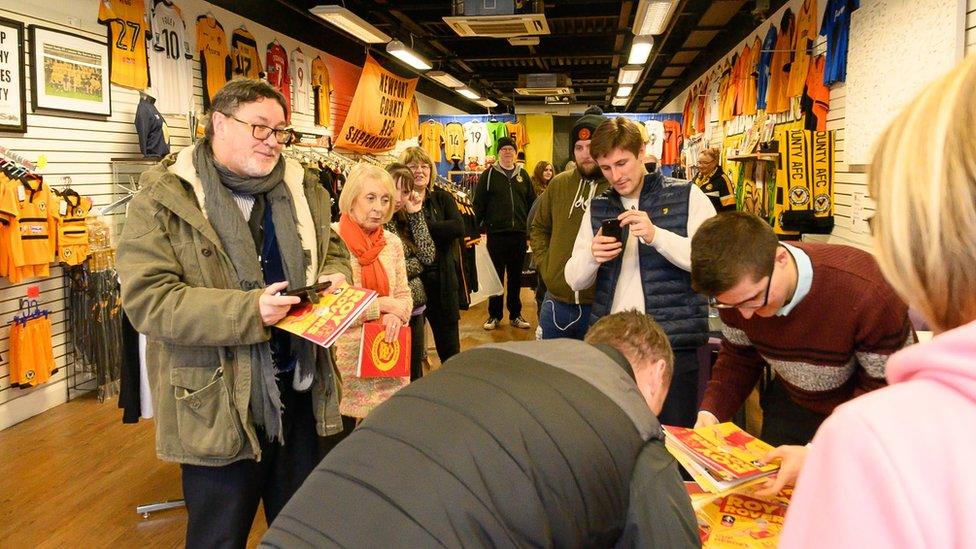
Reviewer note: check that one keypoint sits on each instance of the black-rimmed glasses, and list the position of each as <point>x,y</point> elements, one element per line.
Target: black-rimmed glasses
<point>262,132</point>
<point>745,304</point>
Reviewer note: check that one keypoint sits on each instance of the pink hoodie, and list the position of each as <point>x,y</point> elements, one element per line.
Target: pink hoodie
<point>897,467</point>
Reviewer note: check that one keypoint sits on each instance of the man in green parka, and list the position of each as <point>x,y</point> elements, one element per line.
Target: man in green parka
<point>216,233</point>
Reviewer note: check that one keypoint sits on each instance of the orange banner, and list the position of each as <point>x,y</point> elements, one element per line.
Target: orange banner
<point>378,110</point>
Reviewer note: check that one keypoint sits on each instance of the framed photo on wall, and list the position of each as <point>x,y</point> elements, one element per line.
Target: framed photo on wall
<point>13,101</point>
<point>69,72</point>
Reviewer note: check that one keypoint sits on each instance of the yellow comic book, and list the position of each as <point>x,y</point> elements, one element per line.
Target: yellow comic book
<point>741,521</point>
<point>324,321</point>
<point>724,451</point>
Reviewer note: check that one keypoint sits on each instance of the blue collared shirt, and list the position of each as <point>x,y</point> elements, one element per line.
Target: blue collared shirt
<point>804,272</point>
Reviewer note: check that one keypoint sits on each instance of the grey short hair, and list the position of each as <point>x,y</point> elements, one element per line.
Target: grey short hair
<point>236,92</point>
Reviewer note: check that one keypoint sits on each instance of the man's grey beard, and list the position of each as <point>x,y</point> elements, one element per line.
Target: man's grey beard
<point>252,168</point>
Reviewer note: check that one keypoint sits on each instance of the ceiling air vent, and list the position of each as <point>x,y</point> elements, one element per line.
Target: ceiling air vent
<point>557,100</point>
<point>499,26</point>
<point>524,41</point>
<point>543,84</point>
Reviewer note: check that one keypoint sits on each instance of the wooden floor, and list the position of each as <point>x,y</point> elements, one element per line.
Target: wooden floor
<point>73,475</point>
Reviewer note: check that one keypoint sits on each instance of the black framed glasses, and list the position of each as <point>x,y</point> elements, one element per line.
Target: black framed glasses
<point>261,132</point>
<point>746,304</point>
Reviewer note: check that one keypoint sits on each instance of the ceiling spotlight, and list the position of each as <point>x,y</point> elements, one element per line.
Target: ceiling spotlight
<point>629,74</point>
<point>350,23</point>
<point>640,50</point>
<point>653,16</point>
<point>467,92</point>
<point>442,77</point>
<point>397,49</point>
<point>619,101</point>
<point>624,91</point>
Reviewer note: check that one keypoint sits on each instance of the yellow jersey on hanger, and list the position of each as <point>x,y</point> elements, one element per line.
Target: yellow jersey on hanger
<point>126,20</point>
<point>516,130</point>
<point>72,233</point>
<point>431,134</point>
<point>411,125</point>
<point>322,92</point>
<point>11,252</point>
<point>454,141</point>
<point>37,204</point>
<point>805,33</point>
<point>214,59</point>
<point>244,52</point>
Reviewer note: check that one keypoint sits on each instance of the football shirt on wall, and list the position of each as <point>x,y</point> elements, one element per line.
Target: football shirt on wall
<point>214,60</point>
<point>169,60</point>
<point>126,20</point>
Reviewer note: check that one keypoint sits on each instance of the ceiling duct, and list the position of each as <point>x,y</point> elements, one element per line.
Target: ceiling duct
<point>498,18</point>
<point>543,84</point>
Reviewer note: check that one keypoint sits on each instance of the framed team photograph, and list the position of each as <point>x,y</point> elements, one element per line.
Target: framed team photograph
<point>13,100</point>
<point>69,72</point>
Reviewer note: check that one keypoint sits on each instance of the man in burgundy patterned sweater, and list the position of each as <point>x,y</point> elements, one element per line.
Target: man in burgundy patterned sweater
<point>818,320</point>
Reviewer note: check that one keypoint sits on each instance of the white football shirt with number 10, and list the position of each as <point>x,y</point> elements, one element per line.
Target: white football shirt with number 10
<point>169,60</point>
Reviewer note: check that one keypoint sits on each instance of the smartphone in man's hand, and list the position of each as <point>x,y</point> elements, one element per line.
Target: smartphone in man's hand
<point>310,293</point>
<point>611,227</point>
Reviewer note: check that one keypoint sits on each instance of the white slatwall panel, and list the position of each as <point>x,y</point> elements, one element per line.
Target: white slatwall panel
<point>848,181</point>
<point>78,146</point>
<point>81,147</point>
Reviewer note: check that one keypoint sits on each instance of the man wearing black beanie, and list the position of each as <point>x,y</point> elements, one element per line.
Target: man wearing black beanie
<point>564,312</point>
<point>502,200</point>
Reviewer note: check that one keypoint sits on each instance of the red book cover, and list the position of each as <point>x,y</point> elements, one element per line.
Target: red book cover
<point>323,322</point>
<point>377,358</point>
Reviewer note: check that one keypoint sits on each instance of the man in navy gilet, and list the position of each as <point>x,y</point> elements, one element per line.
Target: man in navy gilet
<point>648,267</point>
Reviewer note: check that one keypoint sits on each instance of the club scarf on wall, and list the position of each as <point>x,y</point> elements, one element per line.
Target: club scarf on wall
<point>808,183</point>
<point>378,111</point>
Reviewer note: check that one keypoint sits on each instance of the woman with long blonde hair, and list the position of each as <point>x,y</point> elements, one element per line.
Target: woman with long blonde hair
<point>893,468</point>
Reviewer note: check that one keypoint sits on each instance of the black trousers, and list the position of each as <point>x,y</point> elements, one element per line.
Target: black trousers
<point>447,339</point>
<point>417,336</point>
<point>507,252</point>
<point>681,405</point>
<point>221,501</point>
<point>784,421</point>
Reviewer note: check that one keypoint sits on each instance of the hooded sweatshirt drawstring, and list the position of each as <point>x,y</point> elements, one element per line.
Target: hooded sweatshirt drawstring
<point>578,199</point>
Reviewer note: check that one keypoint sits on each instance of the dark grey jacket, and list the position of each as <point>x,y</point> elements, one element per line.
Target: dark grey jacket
<point>501,204</point>
<point>545,444</point>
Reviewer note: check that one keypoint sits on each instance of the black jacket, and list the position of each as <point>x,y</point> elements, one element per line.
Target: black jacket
<point>502,205</point>
<point>528,444</point>
<point>441,279</point>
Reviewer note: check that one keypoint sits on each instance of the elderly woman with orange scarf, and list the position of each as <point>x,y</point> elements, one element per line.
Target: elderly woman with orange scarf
<point>366,203</point>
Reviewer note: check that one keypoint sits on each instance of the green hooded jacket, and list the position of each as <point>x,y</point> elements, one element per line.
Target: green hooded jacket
<point>553,231</point>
